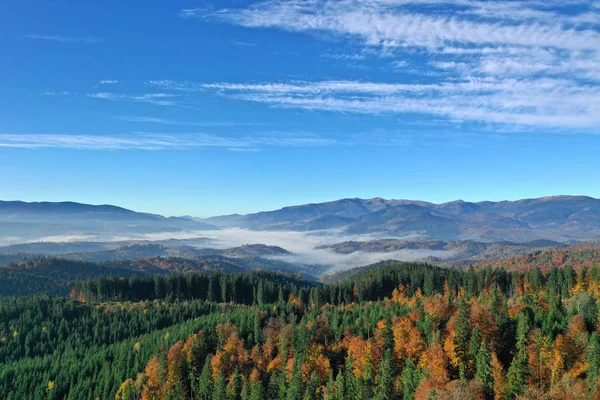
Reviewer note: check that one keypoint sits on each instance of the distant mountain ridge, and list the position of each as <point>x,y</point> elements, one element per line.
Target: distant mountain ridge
<point>27,221</point>
<point>20,210</point>
<point>558,218</point>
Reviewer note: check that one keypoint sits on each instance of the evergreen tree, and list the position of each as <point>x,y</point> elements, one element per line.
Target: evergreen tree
<point>385,379</point>
<point>411,377</point>
<point>204,382</point>
<point>339,391</point>
<point>211,295</point>
<point>224,292</point>
<point>428,287</point>
<point>461,338</point>
<point>219,389</point>
<point>350,380</point>
<point>273,387</point>
<point>234,387</point>
<point>311,387</point>
<point>257,330</point>
<point>245,393</point>
<point>517,375</point>
<point>592,357</point>
<point>256,391</point>
<point>483,373</point>
<point>388,336</point>
<point>260,293</point>
<point>295,390</point>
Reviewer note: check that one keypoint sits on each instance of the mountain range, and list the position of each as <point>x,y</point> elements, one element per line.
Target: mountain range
<point>559,218</point>
<point>23,221</point>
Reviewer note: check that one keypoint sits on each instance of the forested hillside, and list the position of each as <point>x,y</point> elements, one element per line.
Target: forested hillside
<point>577,256</point>
<point>57,276</point>
<point>408,331</point>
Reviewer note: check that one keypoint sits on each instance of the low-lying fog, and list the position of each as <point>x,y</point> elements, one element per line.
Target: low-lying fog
<point>301,244</point>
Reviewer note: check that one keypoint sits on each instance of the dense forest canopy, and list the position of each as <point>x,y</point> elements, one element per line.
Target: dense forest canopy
<point>34,274</point>
<point>402,330</point>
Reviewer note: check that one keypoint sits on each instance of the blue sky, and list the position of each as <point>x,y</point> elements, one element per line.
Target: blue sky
<point>206,108</point>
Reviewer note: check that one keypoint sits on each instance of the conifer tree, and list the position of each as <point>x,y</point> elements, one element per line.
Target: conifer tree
<point>211,295</point>
<point>256,391</point>
<point>257,330</point>
<point>461,338</point>
<point>219,388</point>
<point>385,379</point>
<point>339,392</point>
<point>311,387</point>
<point>483,373</point>
<point>349,379</point>
<point>411,377</point>
<point>295,390</point>
<point>517,374</point>
<point>204,382</point>
<point>592,356</point>
<point>388,336</point>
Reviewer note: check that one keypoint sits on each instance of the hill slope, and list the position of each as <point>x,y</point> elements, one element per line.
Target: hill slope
<point>578,257</point>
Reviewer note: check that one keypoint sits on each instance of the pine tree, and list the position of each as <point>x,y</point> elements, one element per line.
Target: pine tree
<point>428,288</point>
<point>461,338</point>
<point>295,391</point>
<point>483,372</point>
<point>475,343</point>
<point>282,389</point>
<point>592,356</point>
<point>411,377</point>
<point>350,380</point>
<point>219,388</point>
<point>517,374</point>
<point>211,295</point>
<point>256,391</point>
<point>385,379</point>
<point>257,330</point>
<point>204,387</point>
<point>339,390</point>
<point>311,388</point>
<point>363,389</point>
<point>523,327</point>
<point>234,387</point>
<point>245,393</point>
<point>260,293</point>
<point>224,288</point>
<point>388,336</point>
<point>273,387</point>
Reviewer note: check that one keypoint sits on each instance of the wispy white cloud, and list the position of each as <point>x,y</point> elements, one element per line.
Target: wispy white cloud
<point>540,102</point>
<point>65,39</point>
<point>161,99</point>
<point>167,84</point>
<point>519,62</point>
<point>108,82</point>
<point>60,93</point>
<point>163,121</point>
<point>244,44</point>
<point>384,23</point>
<point>398,64</point>
<point>160,141</point>
<point>344,57</point>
